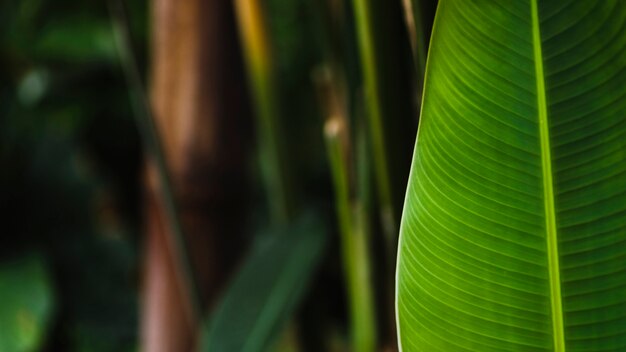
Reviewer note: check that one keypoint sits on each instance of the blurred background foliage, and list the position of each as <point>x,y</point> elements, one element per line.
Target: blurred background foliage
<point>72,171</point>
<point>69,191</point>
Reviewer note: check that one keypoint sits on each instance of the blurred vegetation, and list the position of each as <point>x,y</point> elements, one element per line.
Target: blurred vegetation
<point>69,183</point>
<point>72,179</point>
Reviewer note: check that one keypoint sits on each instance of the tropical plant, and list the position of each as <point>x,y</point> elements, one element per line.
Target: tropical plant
<point>513,236</point>
<point>271,214</point>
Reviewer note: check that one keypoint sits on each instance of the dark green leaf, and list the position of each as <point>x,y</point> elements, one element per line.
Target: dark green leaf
<point>26,304</point>
<point>264,294</point>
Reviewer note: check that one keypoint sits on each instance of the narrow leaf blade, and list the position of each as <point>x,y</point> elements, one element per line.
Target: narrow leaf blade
<point>267,289</point>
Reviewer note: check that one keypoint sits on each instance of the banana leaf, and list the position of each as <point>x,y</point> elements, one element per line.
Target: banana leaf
<point>513,235</point>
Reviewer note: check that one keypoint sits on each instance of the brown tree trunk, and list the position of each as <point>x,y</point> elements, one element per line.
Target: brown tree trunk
<point>197,98</point>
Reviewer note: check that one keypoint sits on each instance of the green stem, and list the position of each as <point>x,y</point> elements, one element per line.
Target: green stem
<point>354,234</point>
<point>152,145</point>
<point>373,98</point>
<point>274,163</point>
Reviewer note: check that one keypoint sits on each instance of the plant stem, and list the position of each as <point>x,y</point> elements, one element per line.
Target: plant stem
<point>375,114</point>
<point>351,213</point>
<point>417,35</point>
<point>255,41</point>
<point>354,242</point>
<point>152,145</point>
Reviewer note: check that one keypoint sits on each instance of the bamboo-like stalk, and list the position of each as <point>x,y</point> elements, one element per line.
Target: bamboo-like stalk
<point>273,156</point>
<point>351,212</point>
<point>354,243</point>
<point>152,146</point>
<point>414,20</point>
<point>365,26</point>
<point>259,63</point>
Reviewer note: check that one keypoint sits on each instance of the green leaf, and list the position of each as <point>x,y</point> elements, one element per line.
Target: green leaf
<point>25,304</point>
<point>514,228</point>
<point>267,289</point>
<point>77,40</point>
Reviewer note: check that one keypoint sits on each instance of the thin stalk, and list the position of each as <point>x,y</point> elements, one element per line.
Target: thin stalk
<point>373,97</point>
<point>354,242</point>
<point>259,64</point>
<point>152,146</point>
<point>351,212</point>
<point>253,31</point>
<point>415,24</point>
<point>363,165</point>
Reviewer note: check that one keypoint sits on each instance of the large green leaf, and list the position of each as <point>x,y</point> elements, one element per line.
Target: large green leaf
<point>514,228</point>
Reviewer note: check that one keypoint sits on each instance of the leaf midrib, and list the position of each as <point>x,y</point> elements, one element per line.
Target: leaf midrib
<point>548,187</point>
